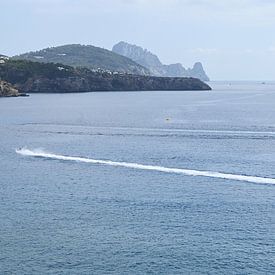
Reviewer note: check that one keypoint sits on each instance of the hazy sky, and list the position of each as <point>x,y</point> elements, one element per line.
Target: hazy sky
<point>235,39</point>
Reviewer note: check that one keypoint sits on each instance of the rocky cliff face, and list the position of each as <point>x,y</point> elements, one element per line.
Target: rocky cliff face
<point>142,56</point>
<point>30,77</point>
<point>198,71</point>
<point>152,62</point>
<point>111,83</point>
<point>7,90</point>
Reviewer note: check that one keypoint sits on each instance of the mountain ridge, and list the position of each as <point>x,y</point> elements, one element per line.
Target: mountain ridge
<point>156,67</point>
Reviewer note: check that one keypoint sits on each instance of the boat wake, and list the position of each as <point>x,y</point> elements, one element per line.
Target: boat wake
<point>42,154</point>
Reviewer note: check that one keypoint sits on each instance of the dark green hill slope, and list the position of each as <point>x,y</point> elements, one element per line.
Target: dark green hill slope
<point>28,76</point>
<point>86,56</point>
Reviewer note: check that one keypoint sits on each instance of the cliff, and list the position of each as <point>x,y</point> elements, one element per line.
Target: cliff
<point>29,77</point>
<point>7,90</point>
<point>90,57</point>
<point>152,62</point>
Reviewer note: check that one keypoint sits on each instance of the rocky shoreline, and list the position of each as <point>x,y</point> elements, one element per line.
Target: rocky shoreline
<point>8,90</point>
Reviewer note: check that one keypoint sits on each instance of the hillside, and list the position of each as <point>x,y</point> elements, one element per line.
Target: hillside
<point>152,62</point>
<point>91,57</point>
<point>28,76</point>
<point>3,58</point>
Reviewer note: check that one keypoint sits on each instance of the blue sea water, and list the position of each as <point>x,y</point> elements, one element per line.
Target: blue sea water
<point>72,217</point>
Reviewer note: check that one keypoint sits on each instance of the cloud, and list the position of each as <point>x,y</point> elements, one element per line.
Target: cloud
<point>216,32</point>
<point>265,7</point>
<point>242,12</point>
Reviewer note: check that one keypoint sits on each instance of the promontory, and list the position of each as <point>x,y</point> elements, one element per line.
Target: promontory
<point>35,77</point>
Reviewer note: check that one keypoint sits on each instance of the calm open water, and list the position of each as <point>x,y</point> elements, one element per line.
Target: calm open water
<point>61,216</point>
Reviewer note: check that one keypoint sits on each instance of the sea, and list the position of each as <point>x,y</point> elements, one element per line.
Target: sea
<point>162,182</point>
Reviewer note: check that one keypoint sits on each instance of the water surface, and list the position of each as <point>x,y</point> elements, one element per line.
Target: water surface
<point>67,217</point>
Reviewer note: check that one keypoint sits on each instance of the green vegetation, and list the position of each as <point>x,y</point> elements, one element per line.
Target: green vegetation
<point>28,76</point>
<point>18,71</point>
<point>86,56</point>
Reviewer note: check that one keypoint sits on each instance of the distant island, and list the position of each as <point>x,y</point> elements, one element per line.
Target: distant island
<point>80,68</point>
<point>156,68</point>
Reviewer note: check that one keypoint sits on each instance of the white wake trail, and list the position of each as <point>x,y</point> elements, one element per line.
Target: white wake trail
<point>188,172</point>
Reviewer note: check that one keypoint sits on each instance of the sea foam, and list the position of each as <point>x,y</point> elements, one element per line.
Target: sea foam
<point>42,154</point>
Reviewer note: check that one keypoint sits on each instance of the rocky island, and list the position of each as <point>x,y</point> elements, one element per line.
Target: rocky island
<point>151,61</point>
<point>36,77</point>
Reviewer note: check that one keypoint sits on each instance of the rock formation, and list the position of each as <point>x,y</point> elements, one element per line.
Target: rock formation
<point>152,62</point>
<point>7,90</point>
